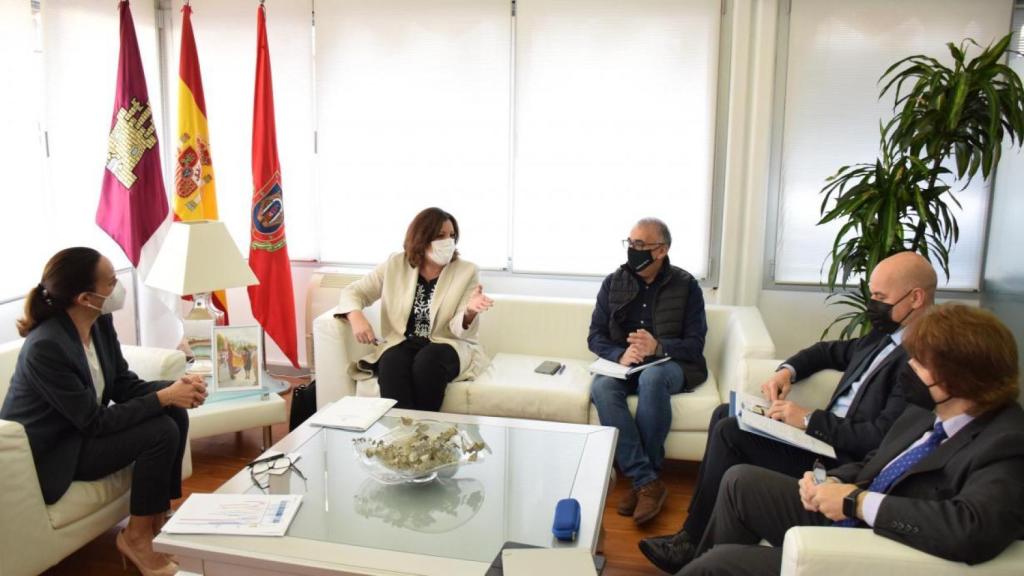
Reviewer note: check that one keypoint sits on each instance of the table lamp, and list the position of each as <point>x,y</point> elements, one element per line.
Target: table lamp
<point>196,259</point>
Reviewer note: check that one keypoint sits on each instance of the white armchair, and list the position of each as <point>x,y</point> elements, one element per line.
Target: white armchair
<point>812,550</point>
<point>34,536</point>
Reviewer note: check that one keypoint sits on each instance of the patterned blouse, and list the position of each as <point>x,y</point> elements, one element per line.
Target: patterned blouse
<point>418,324</point>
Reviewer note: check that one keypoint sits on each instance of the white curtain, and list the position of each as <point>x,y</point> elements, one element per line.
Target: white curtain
<point>413,111</point>
<point>225,33</point>
<point>837,51</point>
<point>21,150</point>
<point>615,120</point>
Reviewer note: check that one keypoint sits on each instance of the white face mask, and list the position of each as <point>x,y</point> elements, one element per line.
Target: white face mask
<point>111,302</point>
<point>441,251</point>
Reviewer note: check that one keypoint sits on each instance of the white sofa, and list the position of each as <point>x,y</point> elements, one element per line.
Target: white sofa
<point>34,536</point>
<point>519,332</point>
<point>809,551</point>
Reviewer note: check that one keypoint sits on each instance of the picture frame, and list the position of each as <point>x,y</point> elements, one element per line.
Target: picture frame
<point>238,358</point>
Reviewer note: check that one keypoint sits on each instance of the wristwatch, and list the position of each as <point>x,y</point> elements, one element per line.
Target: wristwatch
<point>850,503</point>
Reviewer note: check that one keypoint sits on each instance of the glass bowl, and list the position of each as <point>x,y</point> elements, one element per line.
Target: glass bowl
<point>418,451</point>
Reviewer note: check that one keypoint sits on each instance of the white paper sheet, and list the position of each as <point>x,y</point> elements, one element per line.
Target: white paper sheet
<point>352,413</point>
<point>235,514</point>
<point>758,424</point>
<point>616,370</point>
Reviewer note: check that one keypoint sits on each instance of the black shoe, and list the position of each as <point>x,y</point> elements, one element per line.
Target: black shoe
<point>669,553</point>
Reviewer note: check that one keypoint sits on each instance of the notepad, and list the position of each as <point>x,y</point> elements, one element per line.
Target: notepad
<point>235,514</point>
<point>355,413</point>
<point>561,561</point>
<point>616,370</point>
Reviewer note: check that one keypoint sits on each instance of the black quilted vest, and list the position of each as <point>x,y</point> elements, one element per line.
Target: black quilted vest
<point>669,312</point>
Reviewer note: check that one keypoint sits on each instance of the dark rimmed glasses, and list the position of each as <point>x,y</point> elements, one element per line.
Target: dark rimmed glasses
<point>274,464</point>
<point>640,244</point>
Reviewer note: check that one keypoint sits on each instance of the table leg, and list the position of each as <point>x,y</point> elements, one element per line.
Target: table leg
<point>267,438</point>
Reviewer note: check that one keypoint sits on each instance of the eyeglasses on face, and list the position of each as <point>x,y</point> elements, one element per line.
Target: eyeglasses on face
<point>640,244</point>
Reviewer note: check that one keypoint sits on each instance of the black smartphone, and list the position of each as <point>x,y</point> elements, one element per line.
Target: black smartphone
<point>549,367</point>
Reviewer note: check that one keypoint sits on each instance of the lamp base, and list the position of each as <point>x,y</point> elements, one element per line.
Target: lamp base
<point>198,331</point>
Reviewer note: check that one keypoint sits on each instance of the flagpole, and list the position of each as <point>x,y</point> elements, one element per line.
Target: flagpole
<point>135,305</point>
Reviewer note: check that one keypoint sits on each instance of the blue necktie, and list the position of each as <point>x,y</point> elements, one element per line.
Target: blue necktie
<point>898,467</point>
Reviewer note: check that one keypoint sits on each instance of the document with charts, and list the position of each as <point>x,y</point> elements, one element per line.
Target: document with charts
<point>235,514</point>
<point>745,408</point>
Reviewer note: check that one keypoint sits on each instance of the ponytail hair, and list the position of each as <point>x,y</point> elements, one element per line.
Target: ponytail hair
<point>68,273</point>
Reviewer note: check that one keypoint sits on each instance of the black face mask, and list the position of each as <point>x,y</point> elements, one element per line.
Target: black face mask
<point>880,315</point>
<point>914,390</point>
<point>638,259</point>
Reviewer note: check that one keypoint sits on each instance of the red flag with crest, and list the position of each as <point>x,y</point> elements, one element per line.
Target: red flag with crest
<point>272,301</point>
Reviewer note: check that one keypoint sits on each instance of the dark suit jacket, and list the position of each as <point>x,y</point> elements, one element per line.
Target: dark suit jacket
<point>53,397</point>
<point>879,400</point>
<point>964,501</point>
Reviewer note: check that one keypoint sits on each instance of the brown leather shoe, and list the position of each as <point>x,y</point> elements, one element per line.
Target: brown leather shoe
<point>650,499</point>
<point>628,503</point>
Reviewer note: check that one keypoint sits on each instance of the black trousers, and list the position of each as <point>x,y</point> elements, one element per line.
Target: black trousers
<point>728,446</point>
<point>753,504</point>
<point>416,373</point>
<point>156,446</point>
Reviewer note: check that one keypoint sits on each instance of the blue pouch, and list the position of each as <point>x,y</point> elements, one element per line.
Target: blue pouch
<point>567,520</point>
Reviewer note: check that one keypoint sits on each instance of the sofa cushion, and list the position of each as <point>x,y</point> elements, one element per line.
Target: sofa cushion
<point>691,411</point>
<point>509,387</point>
<point>85,498</point>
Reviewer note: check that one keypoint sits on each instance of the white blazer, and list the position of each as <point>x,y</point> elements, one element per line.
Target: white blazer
<point>394,283</point>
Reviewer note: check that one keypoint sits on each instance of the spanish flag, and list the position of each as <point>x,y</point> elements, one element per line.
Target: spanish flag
<point>195,188</point>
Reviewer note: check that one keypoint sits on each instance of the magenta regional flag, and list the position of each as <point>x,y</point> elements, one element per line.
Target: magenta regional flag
<point>133,203</point>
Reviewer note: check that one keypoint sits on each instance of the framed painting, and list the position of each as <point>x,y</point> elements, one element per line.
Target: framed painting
<point>238,356</point>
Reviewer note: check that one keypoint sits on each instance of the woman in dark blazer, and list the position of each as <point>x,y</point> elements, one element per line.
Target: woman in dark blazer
<point>85,413</point>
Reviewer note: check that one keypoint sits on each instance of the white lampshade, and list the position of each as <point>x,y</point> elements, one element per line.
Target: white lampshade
<point>198,257</point>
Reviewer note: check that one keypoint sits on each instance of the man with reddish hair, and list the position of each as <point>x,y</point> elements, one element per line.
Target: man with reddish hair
<point>948,481</point>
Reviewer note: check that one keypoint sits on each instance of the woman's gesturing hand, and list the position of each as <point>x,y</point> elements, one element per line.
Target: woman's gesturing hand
<point>478,302</point>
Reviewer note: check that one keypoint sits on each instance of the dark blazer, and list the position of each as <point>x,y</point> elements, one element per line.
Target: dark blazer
<point>964,501</point>
<point>879,400</point>
<point>53,397</point>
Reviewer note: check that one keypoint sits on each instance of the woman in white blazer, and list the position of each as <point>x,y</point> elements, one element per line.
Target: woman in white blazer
<point>431,302</point>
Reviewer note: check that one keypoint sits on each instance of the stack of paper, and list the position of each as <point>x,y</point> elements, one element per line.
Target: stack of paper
<point>616,370</point>
<point>356,413</point>
<point>561,561</point>
<point>751,421</point>
<point>235,514</point>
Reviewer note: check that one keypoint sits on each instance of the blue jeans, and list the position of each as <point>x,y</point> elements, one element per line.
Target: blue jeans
<point>640,451</point>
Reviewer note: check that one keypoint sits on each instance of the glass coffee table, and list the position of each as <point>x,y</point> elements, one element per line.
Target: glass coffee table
<point>351,524</point>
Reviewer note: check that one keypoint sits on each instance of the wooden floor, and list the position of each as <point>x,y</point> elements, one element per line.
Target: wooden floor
<point>218,458</point>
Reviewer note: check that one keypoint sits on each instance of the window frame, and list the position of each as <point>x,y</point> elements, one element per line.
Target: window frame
<point>773,204</point>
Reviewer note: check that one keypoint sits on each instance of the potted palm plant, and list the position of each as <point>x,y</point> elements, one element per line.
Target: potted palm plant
<point>949,123</point>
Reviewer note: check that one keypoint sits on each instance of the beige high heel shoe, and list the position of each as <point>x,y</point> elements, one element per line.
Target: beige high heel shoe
<point>169,569</point>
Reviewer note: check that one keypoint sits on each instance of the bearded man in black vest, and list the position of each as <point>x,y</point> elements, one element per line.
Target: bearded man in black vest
<point>646,310</point>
